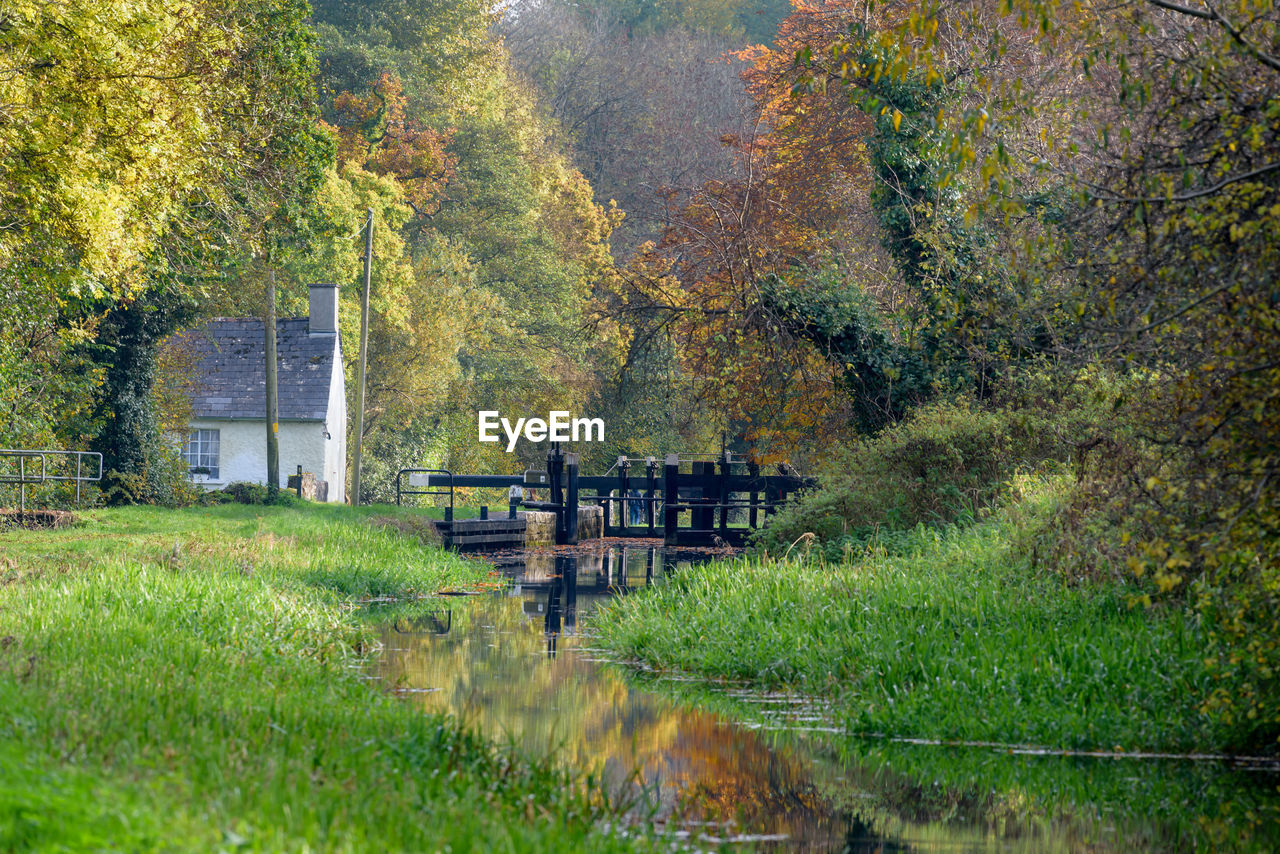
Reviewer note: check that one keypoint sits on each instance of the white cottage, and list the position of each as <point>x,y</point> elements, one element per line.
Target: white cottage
<point>227,438</point>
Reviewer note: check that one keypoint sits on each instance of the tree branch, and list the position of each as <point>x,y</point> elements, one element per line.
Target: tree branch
<point>1214,16</point>
<point>1106,196</point>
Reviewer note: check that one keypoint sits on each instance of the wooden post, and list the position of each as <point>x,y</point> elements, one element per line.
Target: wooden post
<point>695,495</point>
<point>651,491</point>
<point>671,495</point>
<point>364,355</point>
<point>571,501</point>
<point>703,517</point>
<point>624,504</point>
<point>273,398</point>
<point>709,497</point>
<point>753,469</point>
<point>724,491</point>
<point>555,466</point>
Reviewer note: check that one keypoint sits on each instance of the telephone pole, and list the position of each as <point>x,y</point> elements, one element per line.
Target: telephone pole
<point>364,354</point>
<point>273,403</point>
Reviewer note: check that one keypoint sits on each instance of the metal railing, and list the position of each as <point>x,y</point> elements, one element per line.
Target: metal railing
<point>426,482</point>
<point>28,475</point>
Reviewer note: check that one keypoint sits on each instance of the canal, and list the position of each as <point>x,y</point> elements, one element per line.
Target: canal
<point>720,763</point>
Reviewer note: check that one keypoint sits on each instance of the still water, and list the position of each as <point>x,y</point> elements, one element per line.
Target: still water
<point>721,763</point>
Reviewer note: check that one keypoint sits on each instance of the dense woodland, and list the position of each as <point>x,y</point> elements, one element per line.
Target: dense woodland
<point>916,248</point>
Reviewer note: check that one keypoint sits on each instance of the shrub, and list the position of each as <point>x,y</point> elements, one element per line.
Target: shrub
<point>243,492</point>
<point>160,478</point>
<point>1198,528</point>
<point>950,460</point>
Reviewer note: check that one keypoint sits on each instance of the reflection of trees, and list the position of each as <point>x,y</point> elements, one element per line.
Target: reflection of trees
<point>1061,803</point>
<point>498,678</point>
<point>955,797</point>
<point>731,773</point>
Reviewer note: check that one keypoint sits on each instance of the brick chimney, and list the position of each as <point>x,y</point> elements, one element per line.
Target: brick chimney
<point>323,317</point>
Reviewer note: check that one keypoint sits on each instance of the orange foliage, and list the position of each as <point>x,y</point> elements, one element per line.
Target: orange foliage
<point>799,196</point>
<point>374,133</point>
<point>810,159</point>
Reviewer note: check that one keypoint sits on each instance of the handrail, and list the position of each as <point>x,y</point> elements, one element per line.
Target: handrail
<point>730,505</point>
<point>400,491</point>
<point>24,478</point>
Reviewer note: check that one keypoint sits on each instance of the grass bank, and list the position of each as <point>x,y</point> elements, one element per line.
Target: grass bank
<point>189,680</point>
<point>349,552</point>
<point>949,634</point>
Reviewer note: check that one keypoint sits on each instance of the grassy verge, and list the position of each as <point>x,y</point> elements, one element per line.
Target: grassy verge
<point>189,680</point>
<point>351,552</point>
<point>952,635</point>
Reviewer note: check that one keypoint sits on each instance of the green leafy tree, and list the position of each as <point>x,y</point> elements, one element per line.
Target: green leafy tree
<point>139,464</point>
<point>501,244</point>
<point>124,125</point>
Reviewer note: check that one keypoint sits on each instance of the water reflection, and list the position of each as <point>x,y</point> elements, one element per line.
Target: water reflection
<point>432,622</point>
<point>606,574</point>
<point>517,665</point>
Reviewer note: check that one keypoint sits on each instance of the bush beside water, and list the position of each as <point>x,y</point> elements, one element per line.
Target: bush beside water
<point>949,461</point>
<point>995,571</point>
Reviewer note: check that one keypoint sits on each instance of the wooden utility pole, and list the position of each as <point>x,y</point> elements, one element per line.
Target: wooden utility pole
<point>364,353</point>
<point>273,402</point>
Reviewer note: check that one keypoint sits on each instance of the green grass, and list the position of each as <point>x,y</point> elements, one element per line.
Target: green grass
<point>353,552</point>
<point>950,635</point>
<point>189,680</point>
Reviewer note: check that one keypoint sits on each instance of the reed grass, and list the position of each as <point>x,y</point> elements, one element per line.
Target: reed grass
<point>953,634</point>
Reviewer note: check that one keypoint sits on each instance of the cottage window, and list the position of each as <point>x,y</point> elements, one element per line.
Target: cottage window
<point>201,453</point>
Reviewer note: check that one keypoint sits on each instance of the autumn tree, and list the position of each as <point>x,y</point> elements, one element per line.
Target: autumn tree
<point>641,114</point>
<point>771,277</point>
<point>1130,152</point>
<point>500,243</point>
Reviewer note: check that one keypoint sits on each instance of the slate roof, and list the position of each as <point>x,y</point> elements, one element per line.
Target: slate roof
<point>231,376</point>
